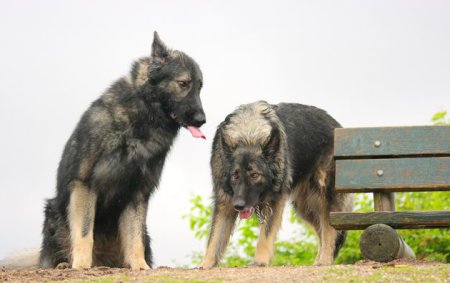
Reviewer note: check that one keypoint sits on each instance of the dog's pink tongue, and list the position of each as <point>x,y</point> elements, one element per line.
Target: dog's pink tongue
<point>196,132</point>
<point>245,214</point>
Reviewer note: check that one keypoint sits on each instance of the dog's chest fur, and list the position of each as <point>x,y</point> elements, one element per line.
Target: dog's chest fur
<point>134,153</point>
<point>136,141</point>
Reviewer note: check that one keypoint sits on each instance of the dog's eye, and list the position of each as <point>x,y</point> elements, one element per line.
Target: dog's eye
<point>254,175</point>
<point>235,176</point>
<point>182,84</point>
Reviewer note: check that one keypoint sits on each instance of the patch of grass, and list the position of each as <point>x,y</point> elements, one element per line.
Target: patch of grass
<point>420,274</point>
<point>388,274</point>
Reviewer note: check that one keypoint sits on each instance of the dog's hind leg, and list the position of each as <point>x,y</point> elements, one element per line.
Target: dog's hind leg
<point>268,230</point>
<point>132,234</point>
<point>327,236</point>
<point>81,213</point>
<point>315,211</point>
<point>313,207</point>
<point>223,220</point>
<point>331,240</point>
<point>56,246</point>
<point>325,200</point>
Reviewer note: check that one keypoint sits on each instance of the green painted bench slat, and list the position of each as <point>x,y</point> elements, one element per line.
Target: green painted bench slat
<point>395,174</point>
<point>392,141</point>
<point>395,219</point>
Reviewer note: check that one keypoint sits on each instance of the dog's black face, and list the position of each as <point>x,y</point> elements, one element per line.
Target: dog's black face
<point>250,175</point>
<point>249,178</point>
<point>177,80</point>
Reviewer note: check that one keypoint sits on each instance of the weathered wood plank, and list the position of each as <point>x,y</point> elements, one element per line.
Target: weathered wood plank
<point>396,174</point>
<point>392,141</point>
<point>395,219</point>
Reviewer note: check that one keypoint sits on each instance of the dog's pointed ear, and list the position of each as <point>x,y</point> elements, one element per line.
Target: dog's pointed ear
<point>273,145</point>
<point>227,152</point>
<point>159,49</point>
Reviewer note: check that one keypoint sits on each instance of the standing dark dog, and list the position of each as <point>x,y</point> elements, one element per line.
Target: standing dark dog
<point>113,161</point>
<point>262,155</point>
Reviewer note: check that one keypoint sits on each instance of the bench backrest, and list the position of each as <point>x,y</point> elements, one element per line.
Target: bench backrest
<point>392,159</point>
<point>387,160</point>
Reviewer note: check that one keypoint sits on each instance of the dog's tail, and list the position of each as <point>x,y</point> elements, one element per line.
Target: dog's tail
<point>340,240</point>
<point>28,258</point>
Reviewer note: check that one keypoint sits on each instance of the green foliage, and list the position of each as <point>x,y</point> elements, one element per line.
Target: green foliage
<point>430,244</point>
<point>440,118</point>
<point>301,249</point>
<point>294,252</point>
<point>199,217</point>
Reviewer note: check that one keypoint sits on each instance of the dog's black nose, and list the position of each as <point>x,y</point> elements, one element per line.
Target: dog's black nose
<point>239,207</point>
<point>239,204</point>
<point>199,119</point>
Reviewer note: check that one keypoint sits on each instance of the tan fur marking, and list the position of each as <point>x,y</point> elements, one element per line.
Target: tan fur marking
<point>174,54</point>
<point>223,224</point>
<point>265,245</point>
<point>81,214</point>
<point>174,87</point>
<point>142,75</point>
<point>249,126</point>
<point>100,116</point>
<point>85,168</point>
<point>107,98</point>
<point>321,177</point>
<point>121,115</point>
<point>186,76</point>
<point>131,223</point>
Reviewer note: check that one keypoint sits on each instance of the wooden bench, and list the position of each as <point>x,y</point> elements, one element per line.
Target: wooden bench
<point>383,161</point>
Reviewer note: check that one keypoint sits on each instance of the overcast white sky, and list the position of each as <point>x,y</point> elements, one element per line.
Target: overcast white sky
<point>368,63</point>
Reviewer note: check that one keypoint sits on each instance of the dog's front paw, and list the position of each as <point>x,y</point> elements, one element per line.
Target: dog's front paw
<point>63,265</point>
<point>80,265</point>
<point>82,262</point>
<point>139,265</point>
<point>206,265</point>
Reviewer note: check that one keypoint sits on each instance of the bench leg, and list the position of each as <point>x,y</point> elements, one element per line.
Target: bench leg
<point>381,243</point>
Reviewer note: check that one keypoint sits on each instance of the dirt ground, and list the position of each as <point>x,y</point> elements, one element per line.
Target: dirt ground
<point>364,271</point>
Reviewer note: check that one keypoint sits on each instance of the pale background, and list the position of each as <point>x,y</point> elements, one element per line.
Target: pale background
<point>368,63</point>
